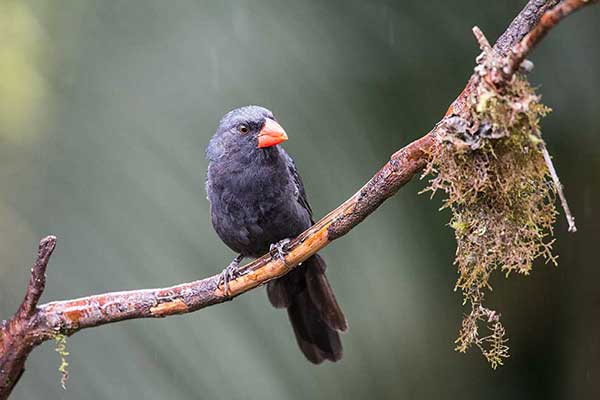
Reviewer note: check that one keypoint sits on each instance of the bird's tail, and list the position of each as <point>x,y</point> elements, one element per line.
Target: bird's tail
<point>313,310</point>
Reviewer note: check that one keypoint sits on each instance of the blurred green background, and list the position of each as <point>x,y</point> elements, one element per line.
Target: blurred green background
<point>105,110</point>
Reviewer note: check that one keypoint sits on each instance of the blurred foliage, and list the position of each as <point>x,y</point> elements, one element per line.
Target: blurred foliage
<point>22,89</point>
<point>132,92</point>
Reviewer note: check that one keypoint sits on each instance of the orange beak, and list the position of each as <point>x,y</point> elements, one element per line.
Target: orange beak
<point>271,134</point>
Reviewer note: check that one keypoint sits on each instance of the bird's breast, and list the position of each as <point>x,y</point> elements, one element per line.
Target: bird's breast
<point>253,207</point>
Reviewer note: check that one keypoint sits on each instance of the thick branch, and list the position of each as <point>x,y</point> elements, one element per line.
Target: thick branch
<point>546,23</point>
<point>523,24</point>
<point>33,324</point>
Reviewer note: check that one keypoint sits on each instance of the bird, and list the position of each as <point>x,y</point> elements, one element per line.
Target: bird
<point>257,202</point>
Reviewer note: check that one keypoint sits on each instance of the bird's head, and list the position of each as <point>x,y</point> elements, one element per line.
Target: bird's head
<point>247,130</point>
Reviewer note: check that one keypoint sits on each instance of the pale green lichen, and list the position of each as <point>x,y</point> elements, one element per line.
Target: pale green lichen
<point>61,349</point>
<point>501,197</point>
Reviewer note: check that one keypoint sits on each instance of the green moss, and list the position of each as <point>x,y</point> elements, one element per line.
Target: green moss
<point>501,196</point>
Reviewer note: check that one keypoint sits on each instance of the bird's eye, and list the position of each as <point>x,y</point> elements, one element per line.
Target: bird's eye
<point>243,129</point>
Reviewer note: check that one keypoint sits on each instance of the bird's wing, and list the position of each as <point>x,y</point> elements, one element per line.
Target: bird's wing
<point>300,193</point>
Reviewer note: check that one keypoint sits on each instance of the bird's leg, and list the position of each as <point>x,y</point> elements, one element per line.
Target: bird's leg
<point>280,249</point>
<point>230,272</point>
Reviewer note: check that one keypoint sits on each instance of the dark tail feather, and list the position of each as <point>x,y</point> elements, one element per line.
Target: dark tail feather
<point>322,295</point>
<point>312,308</point>
<point>317,341</point>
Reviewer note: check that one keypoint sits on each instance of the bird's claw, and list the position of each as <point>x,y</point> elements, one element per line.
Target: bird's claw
<point>279,249</point>
<point>230,273</point>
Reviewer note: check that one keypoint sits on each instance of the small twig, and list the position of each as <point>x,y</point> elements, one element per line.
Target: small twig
<point>559,190</point>
<point>484,44</point>
<point>37,281</point>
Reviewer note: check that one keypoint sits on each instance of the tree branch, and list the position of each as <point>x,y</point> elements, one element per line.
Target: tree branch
<point>548,21</point>
<point>37,281</point>
<point>32,324</point>
<point>23,331</point>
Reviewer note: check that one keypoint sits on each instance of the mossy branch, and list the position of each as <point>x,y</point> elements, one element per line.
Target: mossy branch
<point>500,183</point>
<point>34,324</point>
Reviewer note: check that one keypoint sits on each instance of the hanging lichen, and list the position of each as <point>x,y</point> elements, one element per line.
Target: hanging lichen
<point>61,349</point>
<point>501,196</point>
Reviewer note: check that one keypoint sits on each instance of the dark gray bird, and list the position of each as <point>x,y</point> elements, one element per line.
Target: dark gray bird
<point>257,200</point>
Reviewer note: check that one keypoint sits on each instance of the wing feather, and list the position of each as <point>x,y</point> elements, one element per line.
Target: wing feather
<point>300,192</point>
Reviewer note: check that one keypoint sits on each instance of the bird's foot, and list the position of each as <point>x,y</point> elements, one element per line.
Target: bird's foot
<point>230,273</point>
<point>280,249</point>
